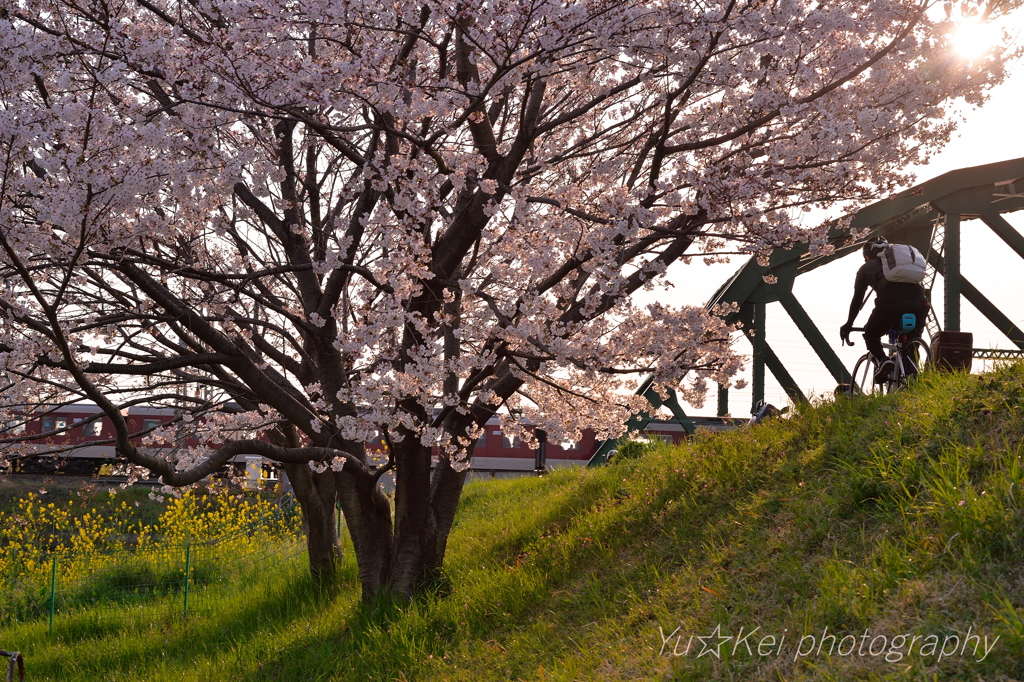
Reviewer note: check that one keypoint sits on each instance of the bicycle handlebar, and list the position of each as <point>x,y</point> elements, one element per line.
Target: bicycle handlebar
<point>846,339</point>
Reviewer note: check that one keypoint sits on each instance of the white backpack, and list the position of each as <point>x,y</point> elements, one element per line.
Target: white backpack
<point>903,263</point>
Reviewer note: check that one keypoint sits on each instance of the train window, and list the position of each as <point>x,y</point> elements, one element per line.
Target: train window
<point>481,442</point>
<point>570,445</point>
<point>14,427</point>
<point>150,423</point>
<point>507,441</point>
<point>94,428</point>
<point>54,424</point>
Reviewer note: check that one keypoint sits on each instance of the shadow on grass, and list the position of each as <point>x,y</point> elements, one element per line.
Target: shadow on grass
<point>640,531</point>
<point>745,523</point>
<point>103,649</point>
<point>386,640</point>
<point>776,524</point>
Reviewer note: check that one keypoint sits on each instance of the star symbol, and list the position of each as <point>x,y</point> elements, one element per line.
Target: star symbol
<point>707,647</point>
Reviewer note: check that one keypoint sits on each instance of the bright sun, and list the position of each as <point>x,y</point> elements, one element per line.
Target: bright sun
<point>973,38</point>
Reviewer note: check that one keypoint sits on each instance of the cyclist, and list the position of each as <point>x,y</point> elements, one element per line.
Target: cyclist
<point>892,301</point>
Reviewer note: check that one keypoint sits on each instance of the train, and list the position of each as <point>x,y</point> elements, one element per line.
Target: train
<point>83,442</point>
<point>86,448</point>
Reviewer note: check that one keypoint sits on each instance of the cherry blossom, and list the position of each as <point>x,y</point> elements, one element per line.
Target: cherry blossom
<point>306,223</point>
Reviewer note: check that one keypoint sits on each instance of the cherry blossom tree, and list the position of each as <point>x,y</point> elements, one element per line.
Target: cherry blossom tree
<point>332,221</point>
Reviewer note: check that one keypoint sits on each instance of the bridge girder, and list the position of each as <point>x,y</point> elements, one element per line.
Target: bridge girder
<point>908,217</point>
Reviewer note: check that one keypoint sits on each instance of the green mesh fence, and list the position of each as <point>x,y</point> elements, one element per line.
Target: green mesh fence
<point>173,576</point>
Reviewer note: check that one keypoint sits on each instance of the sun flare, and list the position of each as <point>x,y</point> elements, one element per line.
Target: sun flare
<point>974,38</point>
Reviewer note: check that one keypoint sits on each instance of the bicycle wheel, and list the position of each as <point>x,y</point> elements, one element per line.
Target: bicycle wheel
<point>916,357</point>
<point>862,379</point>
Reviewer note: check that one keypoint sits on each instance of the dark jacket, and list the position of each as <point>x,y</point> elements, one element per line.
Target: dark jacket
<point>870,274</point>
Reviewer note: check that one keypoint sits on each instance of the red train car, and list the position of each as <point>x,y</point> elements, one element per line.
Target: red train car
<point>77,440</point>
<point>497,451</point>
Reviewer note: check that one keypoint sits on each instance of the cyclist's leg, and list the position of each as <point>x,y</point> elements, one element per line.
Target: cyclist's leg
<point>920,308</point>
<point>884,317</point>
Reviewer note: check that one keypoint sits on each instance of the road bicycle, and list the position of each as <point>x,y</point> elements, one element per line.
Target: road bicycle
<point>909,355</point>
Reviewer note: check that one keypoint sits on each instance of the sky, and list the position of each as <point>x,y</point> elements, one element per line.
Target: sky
<point>989,134</point>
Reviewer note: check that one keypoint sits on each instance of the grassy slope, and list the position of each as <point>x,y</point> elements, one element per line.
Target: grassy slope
<point>898,515</point>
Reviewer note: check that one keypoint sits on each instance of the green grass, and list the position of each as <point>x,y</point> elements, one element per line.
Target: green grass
<point>894,517</point>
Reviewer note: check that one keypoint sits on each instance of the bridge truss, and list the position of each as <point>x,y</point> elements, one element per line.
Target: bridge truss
<point>927,216</point>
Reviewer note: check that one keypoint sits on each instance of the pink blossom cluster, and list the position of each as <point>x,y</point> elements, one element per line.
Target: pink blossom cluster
<point>351,218</point>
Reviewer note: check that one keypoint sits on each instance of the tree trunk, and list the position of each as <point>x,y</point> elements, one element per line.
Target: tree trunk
<point>317,495</point>
<point>445,492</point>
<point>415,531</point>
<point>368,518</point>
<point>402,561</point>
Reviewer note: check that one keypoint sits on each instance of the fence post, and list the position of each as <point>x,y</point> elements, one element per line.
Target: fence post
<point>53,591</point>
<point>188,566</point>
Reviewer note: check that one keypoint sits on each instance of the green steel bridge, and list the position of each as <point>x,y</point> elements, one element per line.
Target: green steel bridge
<point>927,216</point>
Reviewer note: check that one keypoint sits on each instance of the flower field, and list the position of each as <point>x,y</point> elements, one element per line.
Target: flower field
<point>58,557</point>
